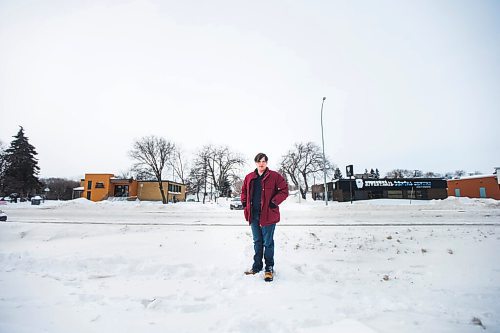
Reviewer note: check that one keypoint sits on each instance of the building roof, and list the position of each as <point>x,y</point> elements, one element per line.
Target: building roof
<point>473,177</point>
<point>163,181</point>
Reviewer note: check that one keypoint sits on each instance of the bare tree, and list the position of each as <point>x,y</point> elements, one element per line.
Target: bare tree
<point>418,173</point>
<point>152,153</point>
<point>196,179</point>
<point>199,172</point>
<point>223,167</point>
<point>178,165</point>
<point>3,166</point>
<point>126,174</point>
<point>289,167</point>
<point>60,188</point>
<point>400,173</point>
<point>448,175</point>
<point>142,173</point>
<point>219,167</point>
<point>302,162</point>
<point>432,174</point>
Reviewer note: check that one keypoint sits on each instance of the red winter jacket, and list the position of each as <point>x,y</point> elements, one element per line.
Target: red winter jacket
<point>274,189</point>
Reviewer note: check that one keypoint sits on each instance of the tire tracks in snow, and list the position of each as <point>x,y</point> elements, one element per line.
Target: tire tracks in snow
<point>243,224</point>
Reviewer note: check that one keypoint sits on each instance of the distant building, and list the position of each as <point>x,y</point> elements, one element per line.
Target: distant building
<point>102,186</point>
<point>77,192</point>
<point>391,188</point>
<point>479,186</point>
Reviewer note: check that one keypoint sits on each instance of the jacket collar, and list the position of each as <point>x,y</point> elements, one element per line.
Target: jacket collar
<point>264,175</point>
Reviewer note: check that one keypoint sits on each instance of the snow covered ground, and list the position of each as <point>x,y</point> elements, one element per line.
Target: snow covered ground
<point>373,266</point>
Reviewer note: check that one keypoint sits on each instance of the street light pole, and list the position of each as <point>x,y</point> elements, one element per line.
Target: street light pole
<point>324,159</point>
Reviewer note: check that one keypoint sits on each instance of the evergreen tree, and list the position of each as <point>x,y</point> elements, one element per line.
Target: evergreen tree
<point>373,174</point>
<point>337,174</point>
<point>21,169</point>
<point>377,173</point>
<point>3,164</point>
<point>225,189</point>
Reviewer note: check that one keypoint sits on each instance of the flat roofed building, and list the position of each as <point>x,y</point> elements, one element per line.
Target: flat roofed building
<point>149,190</point>
<point>386,188</point>
<point>102,186</point>
<point>96,186</point>
<point>480,186</point>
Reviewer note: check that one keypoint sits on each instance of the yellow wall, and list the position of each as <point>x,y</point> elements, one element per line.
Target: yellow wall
<point>145,190</point>
<point>150,191</point>
<point>132,186</point>
<point>178,197</point>
<point>97,194</point>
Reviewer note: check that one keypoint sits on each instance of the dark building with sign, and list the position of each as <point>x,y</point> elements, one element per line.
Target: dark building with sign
<point>397,188</point>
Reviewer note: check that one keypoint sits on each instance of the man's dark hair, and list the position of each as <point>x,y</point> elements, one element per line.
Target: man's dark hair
<point>259,156</point>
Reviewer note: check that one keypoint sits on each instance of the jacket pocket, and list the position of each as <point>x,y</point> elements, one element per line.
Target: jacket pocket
<point>274,214</point>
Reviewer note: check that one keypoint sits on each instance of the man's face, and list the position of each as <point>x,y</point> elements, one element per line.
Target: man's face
<point>261,165</point>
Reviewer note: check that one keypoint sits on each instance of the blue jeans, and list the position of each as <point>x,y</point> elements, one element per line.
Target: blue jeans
<point>263,243</point>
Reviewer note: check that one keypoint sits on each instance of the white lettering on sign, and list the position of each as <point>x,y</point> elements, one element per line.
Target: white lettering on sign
<point>397,183</point>
<point>422,184</point>
<point>400,183</point>
<point>373,183</point>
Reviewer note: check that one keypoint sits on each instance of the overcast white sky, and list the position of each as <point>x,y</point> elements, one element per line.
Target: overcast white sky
<point>409,84</point>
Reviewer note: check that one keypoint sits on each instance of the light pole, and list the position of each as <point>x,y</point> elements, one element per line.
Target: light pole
<point>324,159</point>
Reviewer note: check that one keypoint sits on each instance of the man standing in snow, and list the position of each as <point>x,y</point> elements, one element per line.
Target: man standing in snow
<point>262,191</point>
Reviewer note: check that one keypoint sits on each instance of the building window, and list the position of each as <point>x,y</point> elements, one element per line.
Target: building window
<point>415,194</point>
<point>99,185</point>
<point>121,191</point>
<point>392,194</point>
<point>89,185</point>
<point>174,188</point>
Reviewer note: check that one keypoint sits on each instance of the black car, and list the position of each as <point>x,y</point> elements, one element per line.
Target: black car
<point>3,216</point>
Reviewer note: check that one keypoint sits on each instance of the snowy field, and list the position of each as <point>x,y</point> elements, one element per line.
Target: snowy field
<point>373,266</point>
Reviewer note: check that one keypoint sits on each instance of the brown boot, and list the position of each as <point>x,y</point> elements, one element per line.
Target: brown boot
<point>268,276</point>
<point>251,272</point>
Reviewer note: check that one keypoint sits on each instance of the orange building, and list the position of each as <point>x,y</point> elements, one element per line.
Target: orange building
<point>101,186</point>
<point>481,186</point>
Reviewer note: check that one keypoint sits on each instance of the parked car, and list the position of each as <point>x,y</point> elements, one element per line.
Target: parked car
<point>3,216</point>
<point>235,204</point>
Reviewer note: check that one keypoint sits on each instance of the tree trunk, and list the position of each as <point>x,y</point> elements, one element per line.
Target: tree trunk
<point>306,186</point>
<point>163,199</point>
<point>302,193</point>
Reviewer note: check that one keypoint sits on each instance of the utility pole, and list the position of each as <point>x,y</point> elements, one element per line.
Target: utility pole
<point>205,176</point>
<point>324,159</point>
